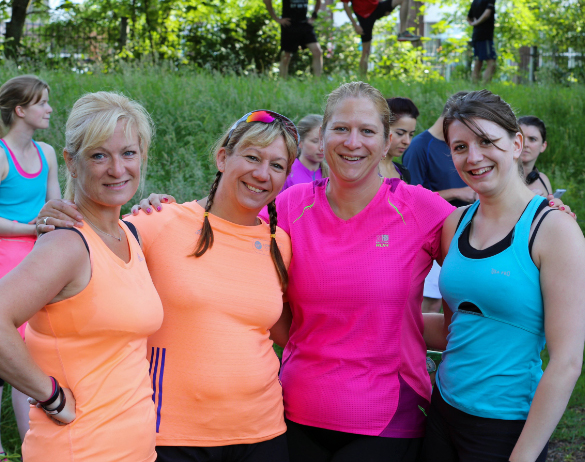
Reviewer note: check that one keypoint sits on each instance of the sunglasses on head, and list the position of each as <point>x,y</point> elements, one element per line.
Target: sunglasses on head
<point>266,117</point>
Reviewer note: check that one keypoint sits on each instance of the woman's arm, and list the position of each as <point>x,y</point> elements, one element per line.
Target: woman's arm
<point>53,189</point>
<point>57,262</point>
<point>559,251</point>
<point>280,331</point>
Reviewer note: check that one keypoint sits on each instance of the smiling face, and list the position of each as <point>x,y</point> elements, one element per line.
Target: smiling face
<point>402,133</point>
<point>37,115</point>
<point>484,167</point>
<point>310,149</point>
<point>353,141</point>
<point>533,144</point>
<point>108,175</point>
<point>252,177</point>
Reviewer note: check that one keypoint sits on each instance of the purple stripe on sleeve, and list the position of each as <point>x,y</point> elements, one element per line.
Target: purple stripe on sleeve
<point>151,357</point>
<point>154,375</point>
<point>160,384</point>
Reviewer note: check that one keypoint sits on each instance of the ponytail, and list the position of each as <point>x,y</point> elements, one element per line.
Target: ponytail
<point>206,237</point>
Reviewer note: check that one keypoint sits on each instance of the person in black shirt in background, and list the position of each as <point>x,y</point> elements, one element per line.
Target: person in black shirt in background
<point>297,30</point>
<point>482,17</point>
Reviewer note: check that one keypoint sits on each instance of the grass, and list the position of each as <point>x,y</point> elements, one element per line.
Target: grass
<point>192,109</point>
<point>8,429</point>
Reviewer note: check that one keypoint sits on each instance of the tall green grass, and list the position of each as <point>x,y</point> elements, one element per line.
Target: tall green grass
<point>192,109</point>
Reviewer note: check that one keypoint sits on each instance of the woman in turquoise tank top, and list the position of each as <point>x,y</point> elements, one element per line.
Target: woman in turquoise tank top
<point>511,279</point>
<point>28,178</point>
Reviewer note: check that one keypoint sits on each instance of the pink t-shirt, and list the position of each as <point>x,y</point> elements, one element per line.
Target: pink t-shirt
<point>301,174</point>
<point>355,361</point>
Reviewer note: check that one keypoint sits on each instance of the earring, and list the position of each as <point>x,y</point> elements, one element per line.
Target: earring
<point>74,175</point>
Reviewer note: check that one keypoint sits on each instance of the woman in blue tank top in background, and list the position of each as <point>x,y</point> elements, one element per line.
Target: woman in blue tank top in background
<point>28,178</point>
<point>513,277</point>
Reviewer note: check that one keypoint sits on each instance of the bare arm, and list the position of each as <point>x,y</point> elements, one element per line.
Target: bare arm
<point>272,13</point>
<point>437,325</point>
<point>559,251</point>
<point>483,18</point>
<point>280,331</point>
<point>9,228</point>
<point>53,189</point>
<point>349,13</point>
<point>21,300</point>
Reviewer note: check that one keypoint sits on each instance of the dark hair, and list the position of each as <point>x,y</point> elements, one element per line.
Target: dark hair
<point>482,104</point>
<point>247,134</point>
<point>456,96</point>
<point>402,107</point>
<point>19,91</point>
<point>534,122</point>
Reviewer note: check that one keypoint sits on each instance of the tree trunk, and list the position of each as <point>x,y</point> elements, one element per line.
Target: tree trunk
<point>14,27</point>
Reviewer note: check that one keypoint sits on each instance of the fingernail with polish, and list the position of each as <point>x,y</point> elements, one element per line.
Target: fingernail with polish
<point>551,203</point>
<point>159,208</point>
<point>148,210</point>
<point>164,199</point>
<point>562,208</point>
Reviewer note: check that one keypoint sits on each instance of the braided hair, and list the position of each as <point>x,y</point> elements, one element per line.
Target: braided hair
<point>245,135</point>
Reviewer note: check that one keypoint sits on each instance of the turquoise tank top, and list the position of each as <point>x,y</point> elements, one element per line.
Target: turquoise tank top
<point>22,194</point>
<point>492,364</point>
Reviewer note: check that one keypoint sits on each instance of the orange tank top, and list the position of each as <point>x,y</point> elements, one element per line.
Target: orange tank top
<point>95,344</point>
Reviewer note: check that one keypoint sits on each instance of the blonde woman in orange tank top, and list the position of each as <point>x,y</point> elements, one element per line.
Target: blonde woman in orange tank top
<point>90,302</point>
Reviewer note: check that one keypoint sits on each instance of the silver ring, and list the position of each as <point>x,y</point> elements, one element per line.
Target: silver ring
<point>45,220</point>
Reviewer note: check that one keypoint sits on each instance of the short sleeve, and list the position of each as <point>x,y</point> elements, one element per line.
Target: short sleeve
<point>491,5</point>
<point>431,212</point>
<point>415,160</point>
<point>150,226</point>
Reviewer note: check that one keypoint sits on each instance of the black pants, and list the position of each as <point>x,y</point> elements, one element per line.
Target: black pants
<point>312,444</point>
<point>455,436</point>
<point>274,450</point>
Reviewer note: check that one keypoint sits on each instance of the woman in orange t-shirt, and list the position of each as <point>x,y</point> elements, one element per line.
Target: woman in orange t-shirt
<point>220,272</point>
<point>91,306</point>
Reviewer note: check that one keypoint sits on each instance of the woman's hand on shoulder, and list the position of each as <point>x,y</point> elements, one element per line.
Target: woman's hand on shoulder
<point>557,203</point>
<point>58,213</point>
<point>152,202</point>
<point>67,415</point>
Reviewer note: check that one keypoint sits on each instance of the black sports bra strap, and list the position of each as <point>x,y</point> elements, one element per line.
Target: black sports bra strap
<point>536,229</point>
<point>545,188</point>
<point>462,217</point>
<point>78,232</point>
<point>132,229</point>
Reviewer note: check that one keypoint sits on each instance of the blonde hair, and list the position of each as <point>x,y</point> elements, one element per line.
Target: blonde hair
<point>245,135</point>
<point>359,90</point>
<point>19,91</point>
<point>92,122</point>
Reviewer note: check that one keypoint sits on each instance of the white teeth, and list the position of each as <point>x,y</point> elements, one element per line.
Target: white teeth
<point>252,188</point>
<point>116,184</point>
<point>481,171</point>
<point>350,158</point>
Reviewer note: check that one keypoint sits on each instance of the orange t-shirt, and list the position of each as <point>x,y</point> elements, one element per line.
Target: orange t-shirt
<point>95,343</point>
<point>213,369</point>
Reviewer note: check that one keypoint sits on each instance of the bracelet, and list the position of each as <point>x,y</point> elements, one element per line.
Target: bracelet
<point>61,404</point>
<point>54,393</point>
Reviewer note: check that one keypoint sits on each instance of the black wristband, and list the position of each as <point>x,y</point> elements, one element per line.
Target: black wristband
<point>314,15</point>
<point>55,394</point>
<point>61,404</point>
